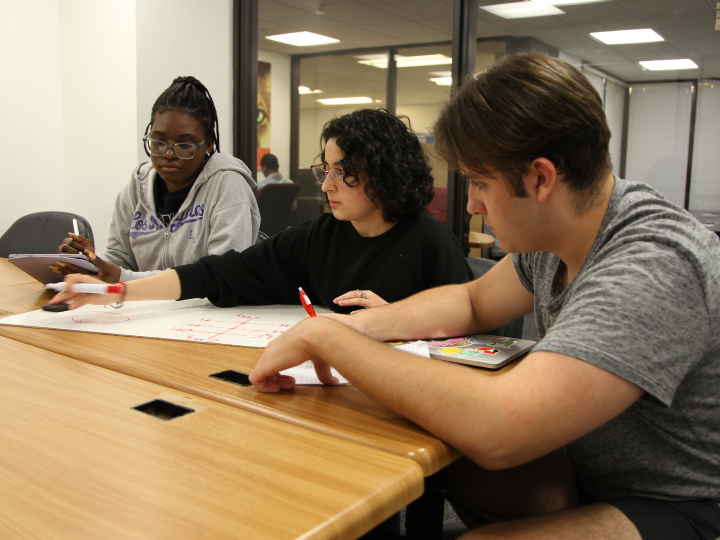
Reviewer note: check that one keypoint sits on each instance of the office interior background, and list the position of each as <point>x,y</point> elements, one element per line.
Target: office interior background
<point>79,78</point>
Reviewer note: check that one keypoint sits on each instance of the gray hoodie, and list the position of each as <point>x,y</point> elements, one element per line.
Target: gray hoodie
<point>219,214</point>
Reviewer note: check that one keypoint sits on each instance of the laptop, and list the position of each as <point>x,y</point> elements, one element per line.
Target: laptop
<point>480,350</point>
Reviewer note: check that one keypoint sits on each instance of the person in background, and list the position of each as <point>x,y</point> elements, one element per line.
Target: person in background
<point>271,170</point>
<point>188,202</point>
<point>376,246</point>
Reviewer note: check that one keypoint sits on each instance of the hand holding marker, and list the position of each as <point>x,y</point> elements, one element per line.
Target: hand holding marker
<point>88,288</point>
<point>85,288</point>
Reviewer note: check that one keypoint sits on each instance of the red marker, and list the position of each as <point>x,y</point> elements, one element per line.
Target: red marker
<point>306,303</point>
<point>88,288</point>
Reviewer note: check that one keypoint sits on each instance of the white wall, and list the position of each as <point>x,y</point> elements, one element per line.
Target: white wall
<point>185,37</point>
<point>705,187</point>
<point>79,78</point>
<point>279,108</point>
<point>32,178</point>
<point>658,137</point>
<point>98,101</point>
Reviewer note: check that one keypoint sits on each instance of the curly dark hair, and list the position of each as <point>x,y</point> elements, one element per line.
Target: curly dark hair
<point>383,146</point>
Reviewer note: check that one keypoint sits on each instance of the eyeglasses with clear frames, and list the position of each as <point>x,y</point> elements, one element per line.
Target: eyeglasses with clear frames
<point>336,175</point>
<point>184,150</point>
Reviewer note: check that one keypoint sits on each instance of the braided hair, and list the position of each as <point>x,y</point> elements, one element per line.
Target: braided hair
<point>189,95</point>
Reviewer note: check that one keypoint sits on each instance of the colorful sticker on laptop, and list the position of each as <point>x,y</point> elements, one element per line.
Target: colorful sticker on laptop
<point>451,342</point>
<point>451,350</point>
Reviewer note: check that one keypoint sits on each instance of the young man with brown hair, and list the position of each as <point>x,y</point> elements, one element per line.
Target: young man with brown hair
<point>625,287</point>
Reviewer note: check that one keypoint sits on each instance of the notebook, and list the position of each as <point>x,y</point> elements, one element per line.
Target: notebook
<point>481,350</point>
<point>36,265</point>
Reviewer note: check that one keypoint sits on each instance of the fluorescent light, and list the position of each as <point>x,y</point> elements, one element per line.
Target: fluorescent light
<point>303,39</point>
<point>521,10</point>
<point>618,37</point>
<point>381,60</point>
<point>662,65</point>
<point>442,78</point>
<point>345,101</point>
<point>424,60</point>
<point>564,2</point>
<point>306,90</point>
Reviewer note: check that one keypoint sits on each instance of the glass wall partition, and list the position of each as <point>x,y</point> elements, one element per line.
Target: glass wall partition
<point>658,137</point>
<point>647,131</point>
<point>487,51</point>
<point>705,186</point>
<point>423,85</point>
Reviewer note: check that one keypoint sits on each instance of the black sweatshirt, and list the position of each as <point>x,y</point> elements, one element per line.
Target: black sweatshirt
<point>327,258</point>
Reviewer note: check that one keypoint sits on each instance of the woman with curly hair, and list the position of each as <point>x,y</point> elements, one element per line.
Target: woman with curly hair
<point>376,246</point>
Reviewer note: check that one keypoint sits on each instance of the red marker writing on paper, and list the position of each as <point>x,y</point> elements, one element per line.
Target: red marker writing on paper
<point>306,302</point>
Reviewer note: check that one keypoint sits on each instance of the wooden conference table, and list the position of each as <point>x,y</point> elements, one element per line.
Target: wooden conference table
<point>341,412</point>
<point>78,461</point>
<point>481,240</point>
<point>12,275</point>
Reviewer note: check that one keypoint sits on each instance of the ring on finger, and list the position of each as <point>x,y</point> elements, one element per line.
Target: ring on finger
<point>362,294</point>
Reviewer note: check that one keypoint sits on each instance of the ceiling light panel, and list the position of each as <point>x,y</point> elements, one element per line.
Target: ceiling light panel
<point>619,37</point>
<point>521,10</point>
<point>345,101</point>
<point>303,39</point>
<point>306,90</point>
<point>381,61</point>
<point>665,65</point>
<point>565,2</point>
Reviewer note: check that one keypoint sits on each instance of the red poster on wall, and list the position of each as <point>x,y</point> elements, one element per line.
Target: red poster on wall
<point>263,110</point>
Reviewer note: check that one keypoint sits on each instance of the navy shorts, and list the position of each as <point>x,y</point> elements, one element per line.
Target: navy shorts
<point>671,520</point>
<point>665,520</point>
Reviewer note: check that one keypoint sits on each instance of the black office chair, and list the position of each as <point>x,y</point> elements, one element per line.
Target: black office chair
<point>261,237</point>
<point>275,203</point>
<point>311,199</point>
<point>513,329</point>
<point>42,232</point>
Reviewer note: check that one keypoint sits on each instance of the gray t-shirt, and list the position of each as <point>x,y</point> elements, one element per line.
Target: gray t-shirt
<point>645,306</point>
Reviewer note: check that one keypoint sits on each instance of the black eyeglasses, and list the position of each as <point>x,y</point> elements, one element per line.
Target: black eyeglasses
<point>183,150</point>
<point>336,175</point>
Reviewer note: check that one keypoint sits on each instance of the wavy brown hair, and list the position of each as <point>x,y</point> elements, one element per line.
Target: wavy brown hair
<point>524,107</point>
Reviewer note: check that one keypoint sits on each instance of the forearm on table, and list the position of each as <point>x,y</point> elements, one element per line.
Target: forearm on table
<point>162,286</point>
<point>500,420</point>
<point>442,398</point>
<point>440,312</point>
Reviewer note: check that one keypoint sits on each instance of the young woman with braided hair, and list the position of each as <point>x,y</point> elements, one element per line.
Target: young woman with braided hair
<point>189,202</point>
